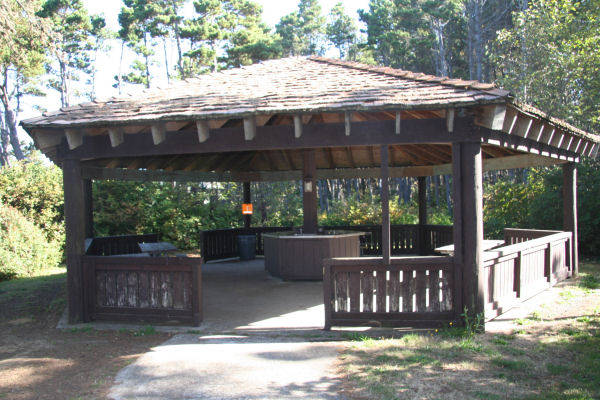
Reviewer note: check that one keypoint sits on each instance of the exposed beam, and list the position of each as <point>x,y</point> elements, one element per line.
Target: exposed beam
<point>329,155</point>
<point>159,134</point>
<point>350,157</point>
<point>249,128</point>
<point>492,117</point>
<point>116,136</point>
<point>203,129</point>
<point>367,133</point>
<point>74,138</point>
<point>398,122</point>
<point>297,126</point>
<point>347,122</point>
<point>523,125</point>
<point>450,120</point>
<point>98,173</point>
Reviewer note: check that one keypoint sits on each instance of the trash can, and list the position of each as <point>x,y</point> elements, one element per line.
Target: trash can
<point>247,245</point>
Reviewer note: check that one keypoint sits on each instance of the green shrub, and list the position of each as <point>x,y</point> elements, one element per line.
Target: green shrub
<point>24,248</point>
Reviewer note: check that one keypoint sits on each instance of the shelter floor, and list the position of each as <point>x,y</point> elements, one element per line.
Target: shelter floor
<point>241,295</point>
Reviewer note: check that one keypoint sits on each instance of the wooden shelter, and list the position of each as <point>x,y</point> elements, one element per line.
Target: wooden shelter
<point>317,118</point>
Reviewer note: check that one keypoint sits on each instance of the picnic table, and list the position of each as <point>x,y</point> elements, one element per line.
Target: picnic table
<point>487,245</point>
<point>155,249</point>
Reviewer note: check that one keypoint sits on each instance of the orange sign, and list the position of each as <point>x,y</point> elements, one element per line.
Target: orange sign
<point>247,209</point>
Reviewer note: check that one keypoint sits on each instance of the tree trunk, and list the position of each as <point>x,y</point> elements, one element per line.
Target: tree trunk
<point>11,122</point>
<point>147,59</point>
<point>4,160</point>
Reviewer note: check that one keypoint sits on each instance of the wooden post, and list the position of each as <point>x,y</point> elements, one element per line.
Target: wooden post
<point>75,237</point>
<point>88,208</point>
<point>570,211</point>
<point>309,191</point>
<point>422,186</point>
<point>385,205</point>
<point>468,224</point>
<point>247,199</point>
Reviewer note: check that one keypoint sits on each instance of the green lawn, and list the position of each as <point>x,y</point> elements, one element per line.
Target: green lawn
<point>554,353</point>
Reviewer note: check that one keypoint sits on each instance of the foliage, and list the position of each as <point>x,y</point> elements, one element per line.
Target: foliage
<point>24,248</point>
<point>550,58</point>
<point>75,30</point>
<point>35,190</point>
<point>234,27</point>
<point>341,30</point>
<point>23,41</point>
<point>302,32</point>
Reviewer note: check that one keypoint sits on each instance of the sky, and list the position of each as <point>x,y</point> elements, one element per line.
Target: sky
<point>107,66</point>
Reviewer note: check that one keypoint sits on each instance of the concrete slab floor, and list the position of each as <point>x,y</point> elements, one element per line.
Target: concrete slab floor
<point>232,367</point>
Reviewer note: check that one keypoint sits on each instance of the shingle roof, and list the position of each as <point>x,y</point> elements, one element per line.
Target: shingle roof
<point>289,85</point>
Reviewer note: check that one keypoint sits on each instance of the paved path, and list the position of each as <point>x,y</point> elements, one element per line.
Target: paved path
<point>191,366</point>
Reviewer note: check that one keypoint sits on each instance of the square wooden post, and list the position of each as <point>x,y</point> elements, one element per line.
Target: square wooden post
<point>468,225</point>
<point>73,187</point>
<point>385,206</point>
<point>422,186</point>
<point>309,191</point>
<point>570,211</point>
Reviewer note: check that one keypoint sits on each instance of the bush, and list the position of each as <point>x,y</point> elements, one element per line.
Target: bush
<point>24,248</point>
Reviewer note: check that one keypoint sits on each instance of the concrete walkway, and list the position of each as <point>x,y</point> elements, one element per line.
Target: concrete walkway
<point>196,367</point>
<point>254,343</point>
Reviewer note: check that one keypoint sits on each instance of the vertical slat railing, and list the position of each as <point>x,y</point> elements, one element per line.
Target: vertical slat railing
<point>415,291</point>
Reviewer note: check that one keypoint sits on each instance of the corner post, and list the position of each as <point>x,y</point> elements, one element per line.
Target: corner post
<point>468,224</point>
<point>75,237</point>
<point>570,211</point>
<point>423,242</point>
<point>385,205</point>
<point>309,191</point>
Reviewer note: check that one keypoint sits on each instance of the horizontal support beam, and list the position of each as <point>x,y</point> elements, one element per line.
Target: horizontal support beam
<point>98,173</point>
<point>283,137</point>
<point>273,137</point>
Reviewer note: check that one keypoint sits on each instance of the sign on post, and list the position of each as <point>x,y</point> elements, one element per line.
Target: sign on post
<point>247,209</point>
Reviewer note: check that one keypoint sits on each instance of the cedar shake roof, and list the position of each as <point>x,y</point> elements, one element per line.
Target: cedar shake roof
<point>289,85</point>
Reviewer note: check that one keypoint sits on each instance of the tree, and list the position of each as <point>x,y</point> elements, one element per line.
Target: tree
<point>400,35</point>
<point>134,20</point>
<point>550,58</point>
<point>341,30</point>
<point>24,38</point>
<point>302,32</point>
<point>74,32</point>
<point>233,27</point>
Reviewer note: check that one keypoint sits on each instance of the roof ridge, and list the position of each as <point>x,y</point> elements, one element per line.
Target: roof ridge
<point>400,73</point>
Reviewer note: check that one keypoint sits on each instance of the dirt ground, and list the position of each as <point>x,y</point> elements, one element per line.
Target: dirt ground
<point>38,361</point>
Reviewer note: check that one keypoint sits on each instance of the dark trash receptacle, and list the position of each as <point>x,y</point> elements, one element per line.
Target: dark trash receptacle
<point>247,244</point>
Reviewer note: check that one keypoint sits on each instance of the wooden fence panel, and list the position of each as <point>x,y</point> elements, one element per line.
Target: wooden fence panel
<point>152,289</point>
<point>530,261</point>
<point>410,287</point>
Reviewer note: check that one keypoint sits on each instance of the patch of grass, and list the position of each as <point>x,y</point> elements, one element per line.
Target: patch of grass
<point>34,296</point>
<point>502,340</point>
<point>193,331</point>
<point>523,321</point>
<point>145,331</point>
<point>589,281</point>
<point>83,329</point>
<point>511,365</point>
<point>486,396</point>
<point>556,369</point>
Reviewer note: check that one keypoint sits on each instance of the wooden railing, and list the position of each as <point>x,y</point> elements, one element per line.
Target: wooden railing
<point>113,245</point>
<point>515,235</point>
<point>417,291</point>
<point>515,272</point>
<point>223,243</point>
<point>143,289</point>
<point>405,239</point>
